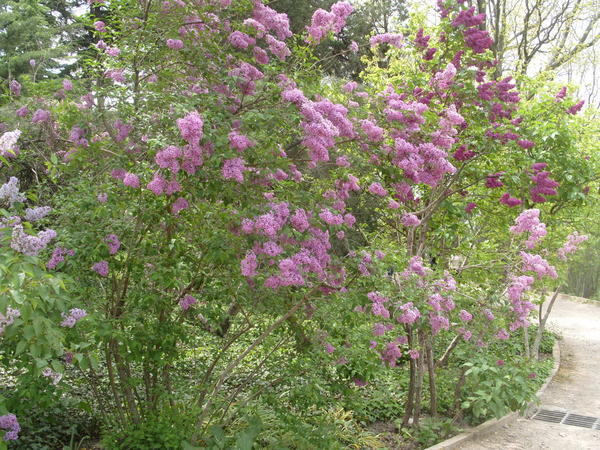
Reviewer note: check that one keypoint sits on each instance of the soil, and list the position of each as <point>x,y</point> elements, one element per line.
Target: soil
<point>575,388</point>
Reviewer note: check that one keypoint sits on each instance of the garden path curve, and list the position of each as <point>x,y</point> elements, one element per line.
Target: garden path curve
<point>575,388</point>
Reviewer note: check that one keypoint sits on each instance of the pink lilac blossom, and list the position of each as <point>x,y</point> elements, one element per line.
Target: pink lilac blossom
<point>102,197</point>
<point>572,244</point>
<point>489,315</point>
<point>157,185</point>
<point>115,75</point>
<point>278,48</point>
<point>390,354</point>
<point>379,329</point>
<point>233,169</point>
<point>373,132</point>
<point>465,316</point>
<point>414,353</point>
<point>270,20</point>
<point>113,243</point>
<point>179,205</point>
<point>502,334</point>
<point>353,47</point>
<point>238,141</point>
<point>538,265</point>
<point>131,180</point>
<point>529,222</point>
<point>169,158</point>
<point>101,268</point>
<point>438,323</point>
<point>113,51</point>
<point>260,56</point>
<point>324,22</point>
<point>410,220</point>
<point>187,302</point>
<point>444,79</point>
<point>100,26</point>
<point>74,316</point>
<point>377,189</point>
<point>241,40</point>
<point>175,44</point>
<point>393,39</point>
<point>410,313</point>
<point>249,265</point>
<point>190,127</point>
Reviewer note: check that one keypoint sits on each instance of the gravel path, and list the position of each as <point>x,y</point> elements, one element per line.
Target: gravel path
<point>575,388</point>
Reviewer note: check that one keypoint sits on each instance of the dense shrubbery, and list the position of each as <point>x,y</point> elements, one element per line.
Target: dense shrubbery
<point>218,246</point>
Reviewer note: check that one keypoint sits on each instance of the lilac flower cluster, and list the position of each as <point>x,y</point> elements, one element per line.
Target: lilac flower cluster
<point>538,265</point>
<point>9,192</point>
<point>35,214</point>
<point>58,256</point>
<point>54,376</point>
<point>529,222</point>
<point>28,244</point>
<point>8,319</point>
<point>113,243</point>
<point>187,302</point>
<point>324,22</point>
<point>572,244</point>
<point>10,423</point>
<point>543,184</point>
<point>393,39</point>
<point>8,144</point>
<point>101,268</point>
<point>75,315</point>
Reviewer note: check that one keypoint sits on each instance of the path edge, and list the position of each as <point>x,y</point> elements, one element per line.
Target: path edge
<point>492,425</point>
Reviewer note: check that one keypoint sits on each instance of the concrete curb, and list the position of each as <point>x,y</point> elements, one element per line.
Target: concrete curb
<point>494,424</point>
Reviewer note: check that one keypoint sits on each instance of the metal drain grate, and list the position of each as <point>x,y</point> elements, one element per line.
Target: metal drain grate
<point>566,418</point>
<point>547,415</point>
<point>580,421</point>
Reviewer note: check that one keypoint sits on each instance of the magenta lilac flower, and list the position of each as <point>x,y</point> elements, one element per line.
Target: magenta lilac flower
<point>74,316</point>
<point>187,302</point>
<point>113,243</point>
<point>179,205</point>
<point>131,180</point>
<point>101,268</point>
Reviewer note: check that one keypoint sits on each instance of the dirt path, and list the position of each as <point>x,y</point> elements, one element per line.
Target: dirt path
<point>575,388</point>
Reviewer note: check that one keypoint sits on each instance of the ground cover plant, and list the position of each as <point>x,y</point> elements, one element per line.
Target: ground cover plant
<point>208,242</point>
